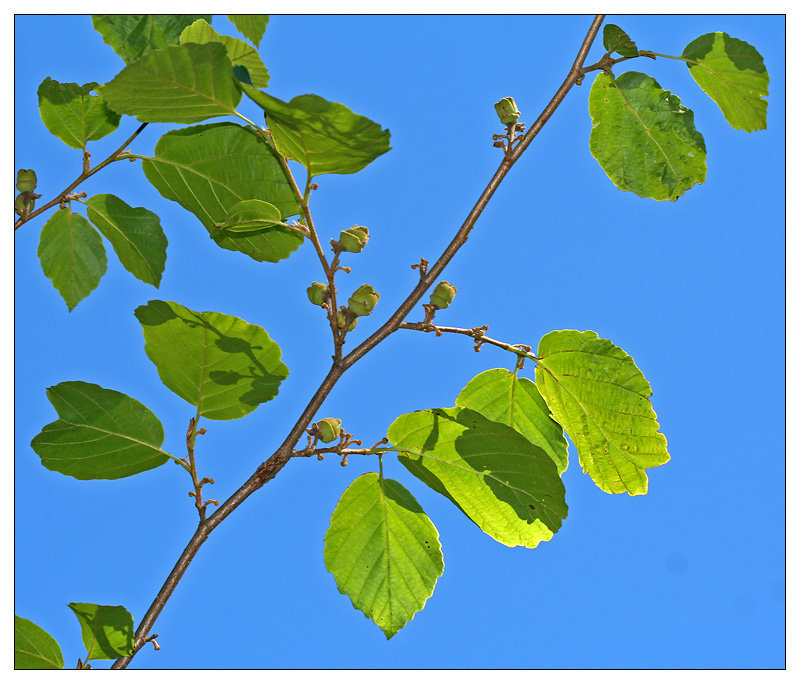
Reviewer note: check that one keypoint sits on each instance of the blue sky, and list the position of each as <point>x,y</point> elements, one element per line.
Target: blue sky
<point>689,576</point>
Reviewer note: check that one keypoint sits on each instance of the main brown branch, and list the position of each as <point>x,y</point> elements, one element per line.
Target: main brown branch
<point>272,466</point>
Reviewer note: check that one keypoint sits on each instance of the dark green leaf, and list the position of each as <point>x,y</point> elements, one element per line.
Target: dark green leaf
<point>134,233</point>
<point>504,398</point>
<point>616,40</point>
<point>35,649</point>
<point>177,84</point>
<point>595,390</point>
<point>383,551</point>
<point>507,486</point>
<point>107,631</point>
<point>100,434</point>
<point>251,26</point>
<point>644,138</point>
<point>733,74</point>
<point>134,35</point>
<point>239,52</point>
<point>72,255</point>
<point>221,364</point>
<point>73,114</point>
<point>325,137</point>
<point>209,169</point>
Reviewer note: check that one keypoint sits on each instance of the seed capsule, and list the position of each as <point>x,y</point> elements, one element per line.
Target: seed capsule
<point>329,429</point>
<point>354,239</point>
<point>443,295</point>
<point>363,300</point>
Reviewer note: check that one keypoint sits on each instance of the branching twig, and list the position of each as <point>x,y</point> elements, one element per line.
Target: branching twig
<point>267,470</point>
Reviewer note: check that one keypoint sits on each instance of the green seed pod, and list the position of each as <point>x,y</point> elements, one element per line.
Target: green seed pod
<point>341,321</point>
<point>507,111</point>
<point>443,295</point>
<point>363,300</point>
<point>354,239</point>
<point>318,293</point>
<point>329,429</point>
<point>26,180</point>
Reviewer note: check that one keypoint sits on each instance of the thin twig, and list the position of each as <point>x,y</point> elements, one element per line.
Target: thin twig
<point>478,334</point>
<point>270,468</point>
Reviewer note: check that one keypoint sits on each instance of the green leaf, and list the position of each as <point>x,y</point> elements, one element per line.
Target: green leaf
<point>134,35</point>
<point>72,255</point>
<point>73,114</point>
<point>252,215</point>
<point>325,137</point>
<point>251,26</point>
<point>100,434</point>
<point>134,233</point>
<point>221,364</point>
<point>239,52</point>
<point>107,631</point>
<point>507,486</point>
<point>732,73</point>
<point>595,390</point>
<point>177,84</point>
<point>501,396</point>
<point>383,551</point>
<point>644,138</point>
<point>35,649</point>
<point>209,169</point>
<point>616,40</point>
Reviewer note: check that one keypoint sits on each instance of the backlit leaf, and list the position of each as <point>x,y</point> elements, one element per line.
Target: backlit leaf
<point>134,233</point>
<point>616,40</point>
<point>595,390</point>
<point>73,114</point>
<point>221,364</point>
<point>251,26</point>
<point>178,84</point>
<point>252,215</point>
<point>209,169</point>
<point>325,137</point>
<point>507,486</point>
<point>134,35</point>
<point>501,396</point>
<point>100,434</point>
<point>383,551</point>
<point>644,138</point>
<point>107,631</point>
<point>35,649</point>
<point>733,74</point>
<point>72,255</point>
<point>239,52</point>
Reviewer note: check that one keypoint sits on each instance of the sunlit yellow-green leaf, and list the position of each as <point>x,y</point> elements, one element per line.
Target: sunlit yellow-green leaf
<point>35,649</point>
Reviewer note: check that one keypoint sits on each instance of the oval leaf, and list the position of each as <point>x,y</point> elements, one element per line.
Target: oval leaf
<point>134,35</point>
<point>209,169</point>
<point>325,137</point>
<point>107,631</point>
<point>252,215</point>
<point>73,114</point>
<point>177,84</point>
<point>72,255</point>
<point>221,364</point>
<point>507,486</point>
<point>383,551</point>
<point>644,138</point>
<point>35,649</point>
<point>616,40</point>
<point>732,73</point>
<point>100,435</point>
<point>595,390</point>
<point>134,233</point>
<point>239,52</point>
<point>501,396</point>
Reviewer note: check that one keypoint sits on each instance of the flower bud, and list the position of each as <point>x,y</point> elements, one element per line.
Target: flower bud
<point>318,293</point>
<point>363,300</point>
<point>354,239</point>
<point>329,429</point>
<point>443,295</point>
<point>507,111</point>
<point>26,180</point>
<point>341,320</point>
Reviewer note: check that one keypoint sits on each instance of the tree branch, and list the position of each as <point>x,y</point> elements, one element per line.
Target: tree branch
<point>272,466</point>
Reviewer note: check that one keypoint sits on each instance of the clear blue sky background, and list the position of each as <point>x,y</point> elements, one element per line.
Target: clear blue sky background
<point>689,576</point>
